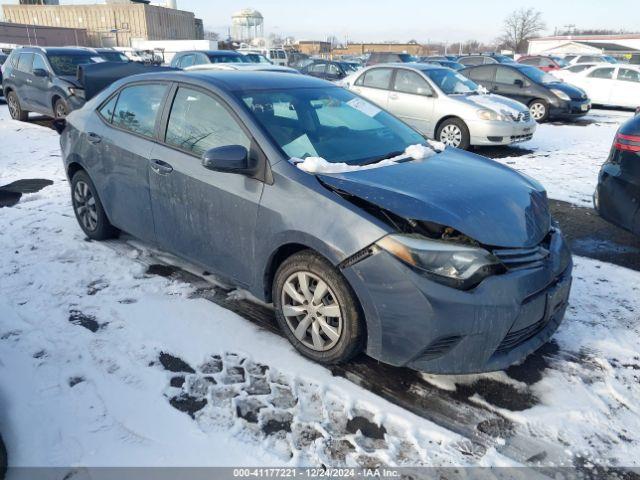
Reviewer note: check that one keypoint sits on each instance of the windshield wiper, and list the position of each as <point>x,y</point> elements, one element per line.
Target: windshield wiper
<point>383,157</point>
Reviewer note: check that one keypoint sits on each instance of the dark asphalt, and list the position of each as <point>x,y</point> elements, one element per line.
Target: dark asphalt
<point>591,236</point>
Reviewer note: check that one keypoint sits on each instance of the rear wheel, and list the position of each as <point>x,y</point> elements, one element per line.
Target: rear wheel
<point>88,208</point>
<point>454,133</point>
<point>15,110</point>
<point>539,110</point>
<point>60,108</point>
<point>316,309</point>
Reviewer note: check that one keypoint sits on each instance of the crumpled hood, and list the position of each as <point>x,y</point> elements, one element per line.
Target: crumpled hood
<point>480,198</point>
<point>71,79</point>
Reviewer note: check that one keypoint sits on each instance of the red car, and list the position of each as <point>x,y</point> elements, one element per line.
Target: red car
<point>544,63</point>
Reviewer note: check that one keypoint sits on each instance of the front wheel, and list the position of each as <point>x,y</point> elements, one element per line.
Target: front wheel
<point>454,133</point>
<point>15,110</point>
<point>88,208</point>
<point>60,109</point>
<point>316,309</point>
<point>539,110</point>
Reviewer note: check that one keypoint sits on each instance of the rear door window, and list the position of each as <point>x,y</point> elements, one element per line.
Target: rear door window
<point>377,78</point>
<point>507,76</point>
<point>198,122</point>
<point>25,62</point>
<point>603,73</point>
<point>531,61</point>
<point>629,75</point>
<point>187,61</point>
<point>482,74</point>
<point>137,108</point>
<point>108,109</point>
<point>410,82</point>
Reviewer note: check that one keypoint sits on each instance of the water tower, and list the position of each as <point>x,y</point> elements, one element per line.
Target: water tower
<point>246,25</point>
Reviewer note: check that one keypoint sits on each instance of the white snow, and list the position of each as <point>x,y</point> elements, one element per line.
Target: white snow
<point>566,158</point>
<point>320,165</point>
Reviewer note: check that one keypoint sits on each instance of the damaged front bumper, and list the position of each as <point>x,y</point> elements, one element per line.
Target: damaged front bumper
<point>416,322</point>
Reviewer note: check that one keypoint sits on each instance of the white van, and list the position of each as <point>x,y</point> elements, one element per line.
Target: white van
<point>278,56</point>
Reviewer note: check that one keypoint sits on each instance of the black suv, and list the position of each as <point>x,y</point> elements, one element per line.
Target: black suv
<point>545,95</point>
<point>44,80</point>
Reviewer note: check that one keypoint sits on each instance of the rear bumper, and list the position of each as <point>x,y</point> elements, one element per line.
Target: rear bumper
<point>617,198</point>
<point>416,322</point>
<point>501,133</point>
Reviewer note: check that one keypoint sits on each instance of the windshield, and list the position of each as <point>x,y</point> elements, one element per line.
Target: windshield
<point>348,67</point>
<point>560,61</point>
<point>229,59</point>
<point>331,123</point>
<point>115,57</point>
<point>256,58</point>
<point>406,58</point>
<point>450,82</point>
<point>68,64</point>
<point>538,75</point>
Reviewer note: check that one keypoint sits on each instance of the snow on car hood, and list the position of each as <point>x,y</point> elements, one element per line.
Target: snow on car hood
<point>486,201</point>
<point>320,165</point>
<point>497,103</point>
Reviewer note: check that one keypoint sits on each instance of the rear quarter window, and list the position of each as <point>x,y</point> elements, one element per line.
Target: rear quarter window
<point>137,108</point>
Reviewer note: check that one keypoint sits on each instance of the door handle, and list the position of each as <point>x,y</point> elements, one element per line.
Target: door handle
<point>393,96</point>
<point>160,167</point>
<point>94,137</point>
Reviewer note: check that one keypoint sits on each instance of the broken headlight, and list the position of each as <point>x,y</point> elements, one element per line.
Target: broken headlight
<point>455,265</point>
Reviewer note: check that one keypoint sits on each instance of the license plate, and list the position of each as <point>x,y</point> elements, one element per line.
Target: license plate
<point>526,130</point>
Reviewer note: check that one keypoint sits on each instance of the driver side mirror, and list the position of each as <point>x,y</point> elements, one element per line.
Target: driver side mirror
<point>40,72</point>
<point>518,83</point>
<point>229,159</point>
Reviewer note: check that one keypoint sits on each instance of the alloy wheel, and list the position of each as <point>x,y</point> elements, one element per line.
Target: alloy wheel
<point>61,110</point>
<point>538,111</point>
<point>451,135</point>
<point>311,311</point>
<point>13,106</point>
<point>85,205</point>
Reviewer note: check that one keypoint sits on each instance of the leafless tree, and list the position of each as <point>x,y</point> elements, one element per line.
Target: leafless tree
<point>521,26</point>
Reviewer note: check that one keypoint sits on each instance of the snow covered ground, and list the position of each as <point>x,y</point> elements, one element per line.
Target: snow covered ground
<point>103,363</point>
<point>566,156</point>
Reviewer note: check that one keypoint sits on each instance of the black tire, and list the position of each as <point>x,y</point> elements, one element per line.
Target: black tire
<point>60,109</point>
<point>4,463</point>
<point>97,225</point>
<point>455,133</point>
<point>536,106</point>
<point>350,341</point>
<point>15,110</point>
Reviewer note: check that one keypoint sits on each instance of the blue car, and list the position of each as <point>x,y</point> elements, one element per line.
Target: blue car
<point>363,236</point>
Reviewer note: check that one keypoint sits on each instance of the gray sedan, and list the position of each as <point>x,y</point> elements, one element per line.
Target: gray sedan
<point>444,105</point>
<point>442,261</point>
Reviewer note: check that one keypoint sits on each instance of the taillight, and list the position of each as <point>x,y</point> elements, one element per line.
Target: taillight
<point>627,143</point>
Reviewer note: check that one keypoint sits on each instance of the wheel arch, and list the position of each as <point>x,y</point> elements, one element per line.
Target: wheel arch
<point>444,119</point>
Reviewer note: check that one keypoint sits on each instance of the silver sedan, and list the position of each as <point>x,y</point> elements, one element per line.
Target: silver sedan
<point>444,105</point>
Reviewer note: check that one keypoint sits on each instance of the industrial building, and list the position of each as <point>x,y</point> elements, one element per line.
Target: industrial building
<point>116,23</point>
<point>18,34</point>
<point>362,48</point>
<point>626,45</point>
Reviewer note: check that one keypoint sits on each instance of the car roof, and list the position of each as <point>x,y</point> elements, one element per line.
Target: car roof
<point>59,50</point>
<point>218,53</point>
<point>237,80</point>
<point>414,65</point>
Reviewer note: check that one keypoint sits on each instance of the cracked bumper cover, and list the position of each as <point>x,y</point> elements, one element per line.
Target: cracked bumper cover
<point>488,328</point>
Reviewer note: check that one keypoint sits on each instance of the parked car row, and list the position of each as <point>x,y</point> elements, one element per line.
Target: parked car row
<point>443,104</point>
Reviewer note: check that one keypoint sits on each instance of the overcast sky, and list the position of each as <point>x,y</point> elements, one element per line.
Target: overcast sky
<point>402,20</point>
